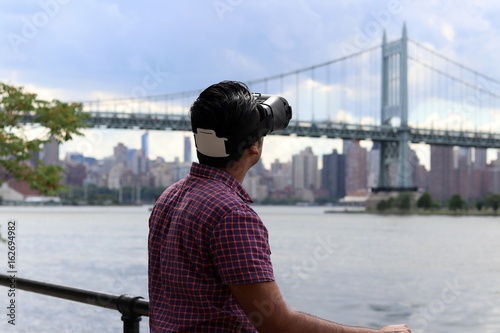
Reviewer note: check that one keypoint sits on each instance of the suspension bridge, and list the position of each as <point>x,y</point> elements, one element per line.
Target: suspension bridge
<point>396,93</point>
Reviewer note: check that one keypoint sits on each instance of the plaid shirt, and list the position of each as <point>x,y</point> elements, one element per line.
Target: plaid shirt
<point>203,236</point>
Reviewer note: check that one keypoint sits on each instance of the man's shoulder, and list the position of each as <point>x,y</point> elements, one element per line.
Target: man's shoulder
<point>206,191</point>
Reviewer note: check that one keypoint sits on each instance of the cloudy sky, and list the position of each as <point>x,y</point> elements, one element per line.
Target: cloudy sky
<point>85,50</point>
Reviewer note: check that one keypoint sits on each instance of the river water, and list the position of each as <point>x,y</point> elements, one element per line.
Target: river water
<point>438,274</point>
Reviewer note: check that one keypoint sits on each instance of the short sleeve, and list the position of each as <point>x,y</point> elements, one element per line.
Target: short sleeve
<point>240,249</point>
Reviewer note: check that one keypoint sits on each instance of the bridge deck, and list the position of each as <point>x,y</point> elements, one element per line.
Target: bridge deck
<point>172,122</point>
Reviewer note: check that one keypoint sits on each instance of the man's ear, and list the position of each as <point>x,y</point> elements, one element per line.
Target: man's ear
<point>254,149</point>
<point>257,146</point>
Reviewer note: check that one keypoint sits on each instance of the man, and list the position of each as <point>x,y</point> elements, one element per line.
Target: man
<point>210,268</point>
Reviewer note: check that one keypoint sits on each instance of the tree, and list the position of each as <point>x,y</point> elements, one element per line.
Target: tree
<point>384,205</point>
<point>456,202</point>
<point>403,201</point>
<point>55,120</point>
<point>493,201</point>
<point>425,201</point>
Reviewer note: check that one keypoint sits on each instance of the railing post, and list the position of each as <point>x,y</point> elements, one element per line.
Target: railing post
<point>131,324</point>
<point>130,318</point>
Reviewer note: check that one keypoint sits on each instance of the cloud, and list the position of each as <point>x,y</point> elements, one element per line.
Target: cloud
<point>448,32</point>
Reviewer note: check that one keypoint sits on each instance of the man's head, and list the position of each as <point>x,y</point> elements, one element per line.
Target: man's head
<point>221,118</point>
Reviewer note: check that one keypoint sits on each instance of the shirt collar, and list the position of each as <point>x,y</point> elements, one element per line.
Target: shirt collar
<point>206,171</point>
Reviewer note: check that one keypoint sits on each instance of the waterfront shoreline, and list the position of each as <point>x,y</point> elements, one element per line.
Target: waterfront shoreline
<point>417,213</point>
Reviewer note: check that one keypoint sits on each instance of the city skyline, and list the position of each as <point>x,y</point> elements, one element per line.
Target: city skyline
<point>347,174</point>
<point>288,146</point>
<point>172,146</point>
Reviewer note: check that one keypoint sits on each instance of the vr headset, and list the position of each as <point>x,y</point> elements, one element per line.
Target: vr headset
<point>275,114</point>
<point>276,111</point>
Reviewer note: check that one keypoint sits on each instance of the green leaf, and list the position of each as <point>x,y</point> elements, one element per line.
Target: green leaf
<point>62,122</point>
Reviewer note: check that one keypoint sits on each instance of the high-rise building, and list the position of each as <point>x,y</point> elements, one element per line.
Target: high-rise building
<point>187,149</point>
<point>419,174</point>
<point>281,174</point>
<point>333,175</point>
<point>469,169</point>
<point>179,170</point>
<point>74,174</point>
<point>145,144</point>
<point>76,158</point>
<point>50,153</point>
<point>462,158</point>
<point>120,154</point>
<point>460,171</point>
<point>441,173</point>
<point>374,165</point>
<point>137,161</point>
<point>305,170</point>
<point>491,179</point>
<point>480,159</point>
<point>145,150</point>
<point>472,178</point>
<point>356,167</point>
<point>497,161</point>
<point>160,170</point>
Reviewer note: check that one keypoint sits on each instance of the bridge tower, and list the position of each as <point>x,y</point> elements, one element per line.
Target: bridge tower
<point>395,168</point>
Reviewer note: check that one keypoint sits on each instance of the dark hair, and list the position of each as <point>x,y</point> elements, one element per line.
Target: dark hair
<point>229,109</point>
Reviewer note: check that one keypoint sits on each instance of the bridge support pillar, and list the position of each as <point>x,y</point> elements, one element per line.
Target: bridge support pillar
<point>395,168</point>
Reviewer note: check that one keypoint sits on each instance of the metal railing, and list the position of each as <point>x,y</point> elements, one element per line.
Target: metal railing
<point>132,308</point>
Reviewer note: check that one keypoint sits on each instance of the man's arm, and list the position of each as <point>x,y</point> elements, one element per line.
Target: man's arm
<point>268,311</point>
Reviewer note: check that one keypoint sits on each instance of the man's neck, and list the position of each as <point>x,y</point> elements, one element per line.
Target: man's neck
<point>238,170</point>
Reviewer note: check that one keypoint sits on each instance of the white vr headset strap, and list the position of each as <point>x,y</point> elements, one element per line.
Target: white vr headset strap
<point>209,144</point>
